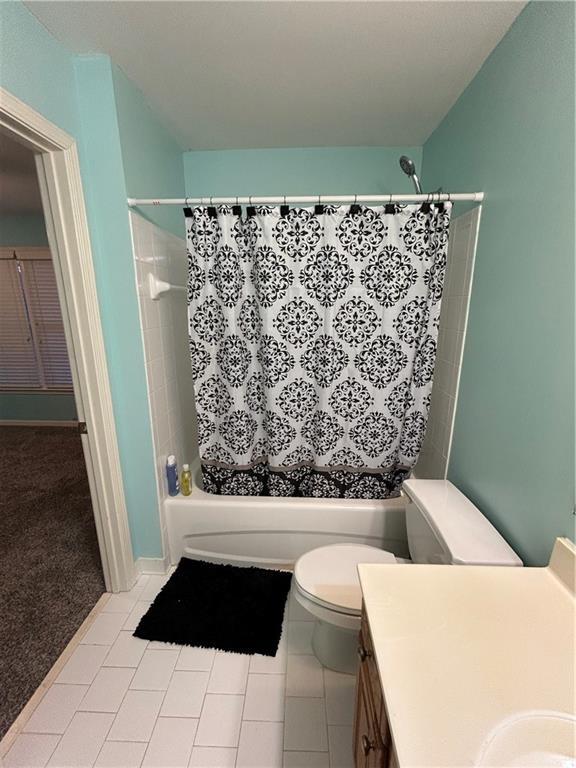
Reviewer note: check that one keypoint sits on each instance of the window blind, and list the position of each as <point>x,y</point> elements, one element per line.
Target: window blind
<point>33,353</point>
<point>18,367</point>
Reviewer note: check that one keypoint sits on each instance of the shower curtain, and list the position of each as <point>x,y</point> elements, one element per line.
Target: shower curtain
<point>312,341</point>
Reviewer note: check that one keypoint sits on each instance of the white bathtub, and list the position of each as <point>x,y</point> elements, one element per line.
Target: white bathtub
<point>270,530</point>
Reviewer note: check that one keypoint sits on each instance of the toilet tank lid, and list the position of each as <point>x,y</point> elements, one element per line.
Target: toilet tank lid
<point>469,536</point>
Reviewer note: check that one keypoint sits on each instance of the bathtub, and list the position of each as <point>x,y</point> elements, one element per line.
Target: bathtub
<point>274,531</point>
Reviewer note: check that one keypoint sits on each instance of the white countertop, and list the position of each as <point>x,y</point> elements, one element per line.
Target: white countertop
<point>460,648</point>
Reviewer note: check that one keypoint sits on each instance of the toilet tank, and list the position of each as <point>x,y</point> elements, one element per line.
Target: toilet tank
<point>444,527</point>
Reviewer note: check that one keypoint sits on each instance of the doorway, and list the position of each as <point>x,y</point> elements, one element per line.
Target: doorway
<point>50,569</point>
<point>93,446</point>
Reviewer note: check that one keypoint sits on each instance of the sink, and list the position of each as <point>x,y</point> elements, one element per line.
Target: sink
<point>531,739</point>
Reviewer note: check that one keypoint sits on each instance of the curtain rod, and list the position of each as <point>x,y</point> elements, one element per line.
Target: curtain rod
<point>431,197</point>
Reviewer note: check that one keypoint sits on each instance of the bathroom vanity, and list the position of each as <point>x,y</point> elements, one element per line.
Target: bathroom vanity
<point>467,665</point>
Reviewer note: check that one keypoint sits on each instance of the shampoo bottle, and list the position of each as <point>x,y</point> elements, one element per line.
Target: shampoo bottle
<point>186,480</point>
<point>172,476</point>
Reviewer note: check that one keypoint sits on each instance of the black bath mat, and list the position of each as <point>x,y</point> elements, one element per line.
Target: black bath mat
<point>219,606</point>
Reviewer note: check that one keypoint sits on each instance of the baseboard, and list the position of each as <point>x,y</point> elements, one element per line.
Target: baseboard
<point>18,423</point>
<point>152,565</point>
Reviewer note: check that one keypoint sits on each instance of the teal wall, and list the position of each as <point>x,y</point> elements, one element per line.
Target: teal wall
<point>45,81</point>
<point>324,170</point>
<point>152,159</point>
<point>24,406</point>
<point>106,191</point>
<point>126,153</point>
<point>511,134</point>
<point>81,96</point>
<point>36,68</point>
<point>23,229</point>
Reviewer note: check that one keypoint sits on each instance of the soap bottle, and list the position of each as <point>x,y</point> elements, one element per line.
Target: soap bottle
<point>172,476</point>
<point>186,480</point>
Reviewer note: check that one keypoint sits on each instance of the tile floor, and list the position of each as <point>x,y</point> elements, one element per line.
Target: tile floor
<point>121,702</point>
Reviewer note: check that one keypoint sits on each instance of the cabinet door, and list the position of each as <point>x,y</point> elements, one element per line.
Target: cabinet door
<point>360,723</point>
<point>368,662</point>
<point>369,751</point>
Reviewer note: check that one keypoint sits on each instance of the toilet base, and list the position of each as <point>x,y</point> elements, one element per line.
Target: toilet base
<point>335,647</point>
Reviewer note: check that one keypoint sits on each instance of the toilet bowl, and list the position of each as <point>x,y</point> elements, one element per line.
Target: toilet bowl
<point>326,584</point>
<point>443,528</point>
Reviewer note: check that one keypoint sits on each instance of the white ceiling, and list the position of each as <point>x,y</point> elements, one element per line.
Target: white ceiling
<point>19,190</point>
<point>290,74</point>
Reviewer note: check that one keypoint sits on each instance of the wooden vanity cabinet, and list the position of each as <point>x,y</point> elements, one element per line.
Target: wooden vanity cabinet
<point>372,741</point>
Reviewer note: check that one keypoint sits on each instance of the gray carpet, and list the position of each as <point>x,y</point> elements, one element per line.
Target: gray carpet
<point>50,571</point>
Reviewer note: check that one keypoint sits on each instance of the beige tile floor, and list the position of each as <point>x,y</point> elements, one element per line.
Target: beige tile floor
<point>122,702</point>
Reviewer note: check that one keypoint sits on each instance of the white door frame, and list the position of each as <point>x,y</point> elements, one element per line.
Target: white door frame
<point>67,229</point>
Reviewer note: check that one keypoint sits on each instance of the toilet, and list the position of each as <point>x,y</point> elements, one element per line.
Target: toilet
<point>443,527</point>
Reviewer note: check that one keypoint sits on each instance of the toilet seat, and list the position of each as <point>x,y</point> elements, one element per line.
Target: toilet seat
<point>328,576</point>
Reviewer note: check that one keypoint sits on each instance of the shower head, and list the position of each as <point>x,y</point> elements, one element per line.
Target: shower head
<point>410,170</point>
<point>407,165</point>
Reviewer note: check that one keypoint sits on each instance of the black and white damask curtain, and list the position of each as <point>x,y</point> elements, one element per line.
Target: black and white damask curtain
<point>313,339</point>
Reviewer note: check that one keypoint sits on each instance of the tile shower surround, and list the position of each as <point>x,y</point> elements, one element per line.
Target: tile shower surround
<point>165,335</point>
<point>435,453</point>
